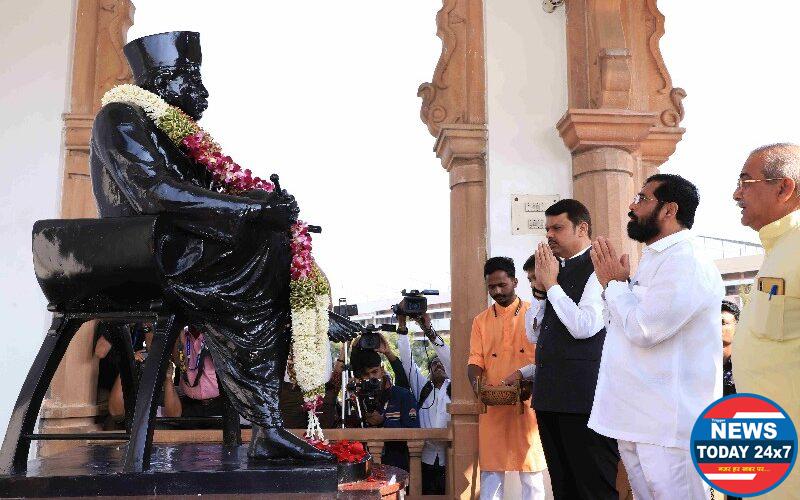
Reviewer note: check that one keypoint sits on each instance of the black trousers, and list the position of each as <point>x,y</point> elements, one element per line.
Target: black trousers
<point>433,478</point>
<point>582,463</point>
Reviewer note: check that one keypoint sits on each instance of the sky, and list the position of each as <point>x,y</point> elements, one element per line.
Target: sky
<point>324,94</point>
<point>737,62</point>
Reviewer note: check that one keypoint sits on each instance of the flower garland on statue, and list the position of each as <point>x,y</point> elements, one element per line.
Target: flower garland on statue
<point>309,298</point>
<point>309,288</point>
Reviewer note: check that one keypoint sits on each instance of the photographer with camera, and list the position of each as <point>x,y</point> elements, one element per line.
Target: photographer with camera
<point>432,393</point>
<point>384,404</point>
<point>372,340</point>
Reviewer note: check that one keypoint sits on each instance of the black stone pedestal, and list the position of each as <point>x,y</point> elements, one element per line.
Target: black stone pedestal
<point>180,469</point>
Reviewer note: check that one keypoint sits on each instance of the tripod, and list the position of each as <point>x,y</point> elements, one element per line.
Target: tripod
<point>347,375</point>
<point>346,400</point>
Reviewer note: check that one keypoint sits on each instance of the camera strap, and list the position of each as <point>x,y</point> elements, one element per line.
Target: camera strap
<point>426,391</point>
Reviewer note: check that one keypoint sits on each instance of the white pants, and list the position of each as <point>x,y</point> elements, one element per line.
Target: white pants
<point>657,472</point>
<point>492,485</point>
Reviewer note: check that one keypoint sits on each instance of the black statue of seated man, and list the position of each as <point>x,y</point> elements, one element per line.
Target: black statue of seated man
<point>225,263</point>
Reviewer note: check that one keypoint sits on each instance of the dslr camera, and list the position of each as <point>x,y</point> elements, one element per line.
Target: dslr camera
<point>368,392</point>
<point>414,303</point>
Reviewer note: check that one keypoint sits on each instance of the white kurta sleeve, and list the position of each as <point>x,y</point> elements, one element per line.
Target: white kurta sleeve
<point>528,371</point>
<point>533,320</point>
<point>584,319</point>
<point>415,376</point>
<point>651,315</point>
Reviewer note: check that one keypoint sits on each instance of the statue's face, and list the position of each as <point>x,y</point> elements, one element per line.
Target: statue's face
<point>183,87</point>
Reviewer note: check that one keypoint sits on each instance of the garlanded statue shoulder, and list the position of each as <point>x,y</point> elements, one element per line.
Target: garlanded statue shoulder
<point>154,124</point>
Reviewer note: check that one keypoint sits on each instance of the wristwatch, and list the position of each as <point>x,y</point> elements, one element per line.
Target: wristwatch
<point>402,330</point>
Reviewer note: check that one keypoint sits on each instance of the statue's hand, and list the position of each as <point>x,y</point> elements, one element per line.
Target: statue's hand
<point>280,210</point>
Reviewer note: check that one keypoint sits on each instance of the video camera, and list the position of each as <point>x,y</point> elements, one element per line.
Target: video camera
<point>370,339</point>
<point>414,303</point>
<point>368,391</point>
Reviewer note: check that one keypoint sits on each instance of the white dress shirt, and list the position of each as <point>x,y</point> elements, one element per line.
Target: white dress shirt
<point>533,325</point>
<point>662,358</point>
<point>433,411</point>
<point>582,320</point>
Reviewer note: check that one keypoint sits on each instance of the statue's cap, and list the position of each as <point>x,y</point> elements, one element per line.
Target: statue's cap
<point>163,50</point>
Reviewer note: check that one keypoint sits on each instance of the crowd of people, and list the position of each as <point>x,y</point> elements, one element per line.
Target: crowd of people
<point>622,363</point>
<point>190,389</point>
<point>410,397</point>
<point>619,363</point>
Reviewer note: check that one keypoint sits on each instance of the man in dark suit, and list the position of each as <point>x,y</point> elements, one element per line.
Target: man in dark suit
<point>582,463</point>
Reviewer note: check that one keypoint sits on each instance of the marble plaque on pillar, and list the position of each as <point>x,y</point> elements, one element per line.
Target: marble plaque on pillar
<point>527,212</point>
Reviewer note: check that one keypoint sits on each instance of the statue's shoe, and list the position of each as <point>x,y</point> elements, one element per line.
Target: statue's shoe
<point>276,443</point>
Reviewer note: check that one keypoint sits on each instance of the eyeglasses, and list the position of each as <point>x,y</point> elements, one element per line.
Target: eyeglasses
<point>640,198</point>
<point>741,182</point>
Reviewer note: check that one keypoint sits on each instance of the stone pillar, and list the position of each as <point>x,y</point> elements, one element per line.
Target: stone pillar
<point>623,115</point>
<point>97,65</point>
<point>605,166</point>
<point>375,449</point>
<point>603,179</point>
<point>454,110</point>
<point>462,151</point>
<point>415,464</point>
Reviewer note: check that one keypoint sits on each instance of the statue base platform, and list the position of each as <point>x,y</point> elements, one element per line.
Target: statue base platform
<point>177,469</point>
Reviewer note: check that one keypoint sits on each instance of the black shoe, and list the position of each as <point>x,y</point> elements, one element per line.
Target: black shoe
<point>276,443</point>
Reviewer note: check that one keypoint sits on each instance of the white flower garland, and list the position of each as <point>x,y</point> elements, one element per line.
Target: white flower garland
<point>309,366</point>
<point>311,353</point>
<point>152,104</point>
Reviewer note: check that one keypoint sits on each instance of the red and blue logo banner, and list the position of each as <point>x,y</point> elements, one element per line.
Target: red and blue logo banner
<point>744,445</point>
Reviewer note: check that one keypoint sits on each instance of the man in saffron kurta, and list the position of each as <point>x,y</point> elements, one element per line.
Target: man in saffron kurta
<point>507,441</point>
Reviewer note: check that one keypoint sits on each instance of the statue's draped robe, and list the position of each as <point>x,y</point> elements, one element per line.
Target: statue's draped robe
<point>225,271</point>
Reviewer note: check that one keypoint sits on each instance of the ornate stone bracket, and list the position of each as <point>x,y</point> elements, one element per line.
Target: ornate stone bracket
<point>660,144</point>
<point>461,143</point>
<point>440,96</point>
<point>455,94</point>
<point>615,78</point>
<point>583,129</point>
<point>665,98</point>
<point>616,64</point>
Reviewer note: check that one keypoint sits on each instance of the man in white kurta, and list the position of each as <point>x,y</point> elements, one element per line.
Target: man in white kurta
<point>662,359</point>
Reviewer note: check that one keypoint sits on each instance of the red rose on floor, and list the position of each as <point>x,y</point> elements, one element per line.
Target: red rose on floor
<point>344,451</point>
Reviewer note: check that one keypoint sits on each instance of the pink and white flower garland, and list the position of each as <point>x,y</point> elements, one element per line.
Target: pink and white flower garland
<point>310,290</point>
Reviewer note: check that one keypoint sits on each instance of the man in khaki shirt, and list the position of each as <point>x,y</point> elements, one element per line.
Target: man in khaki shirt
<point>766,354</point>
